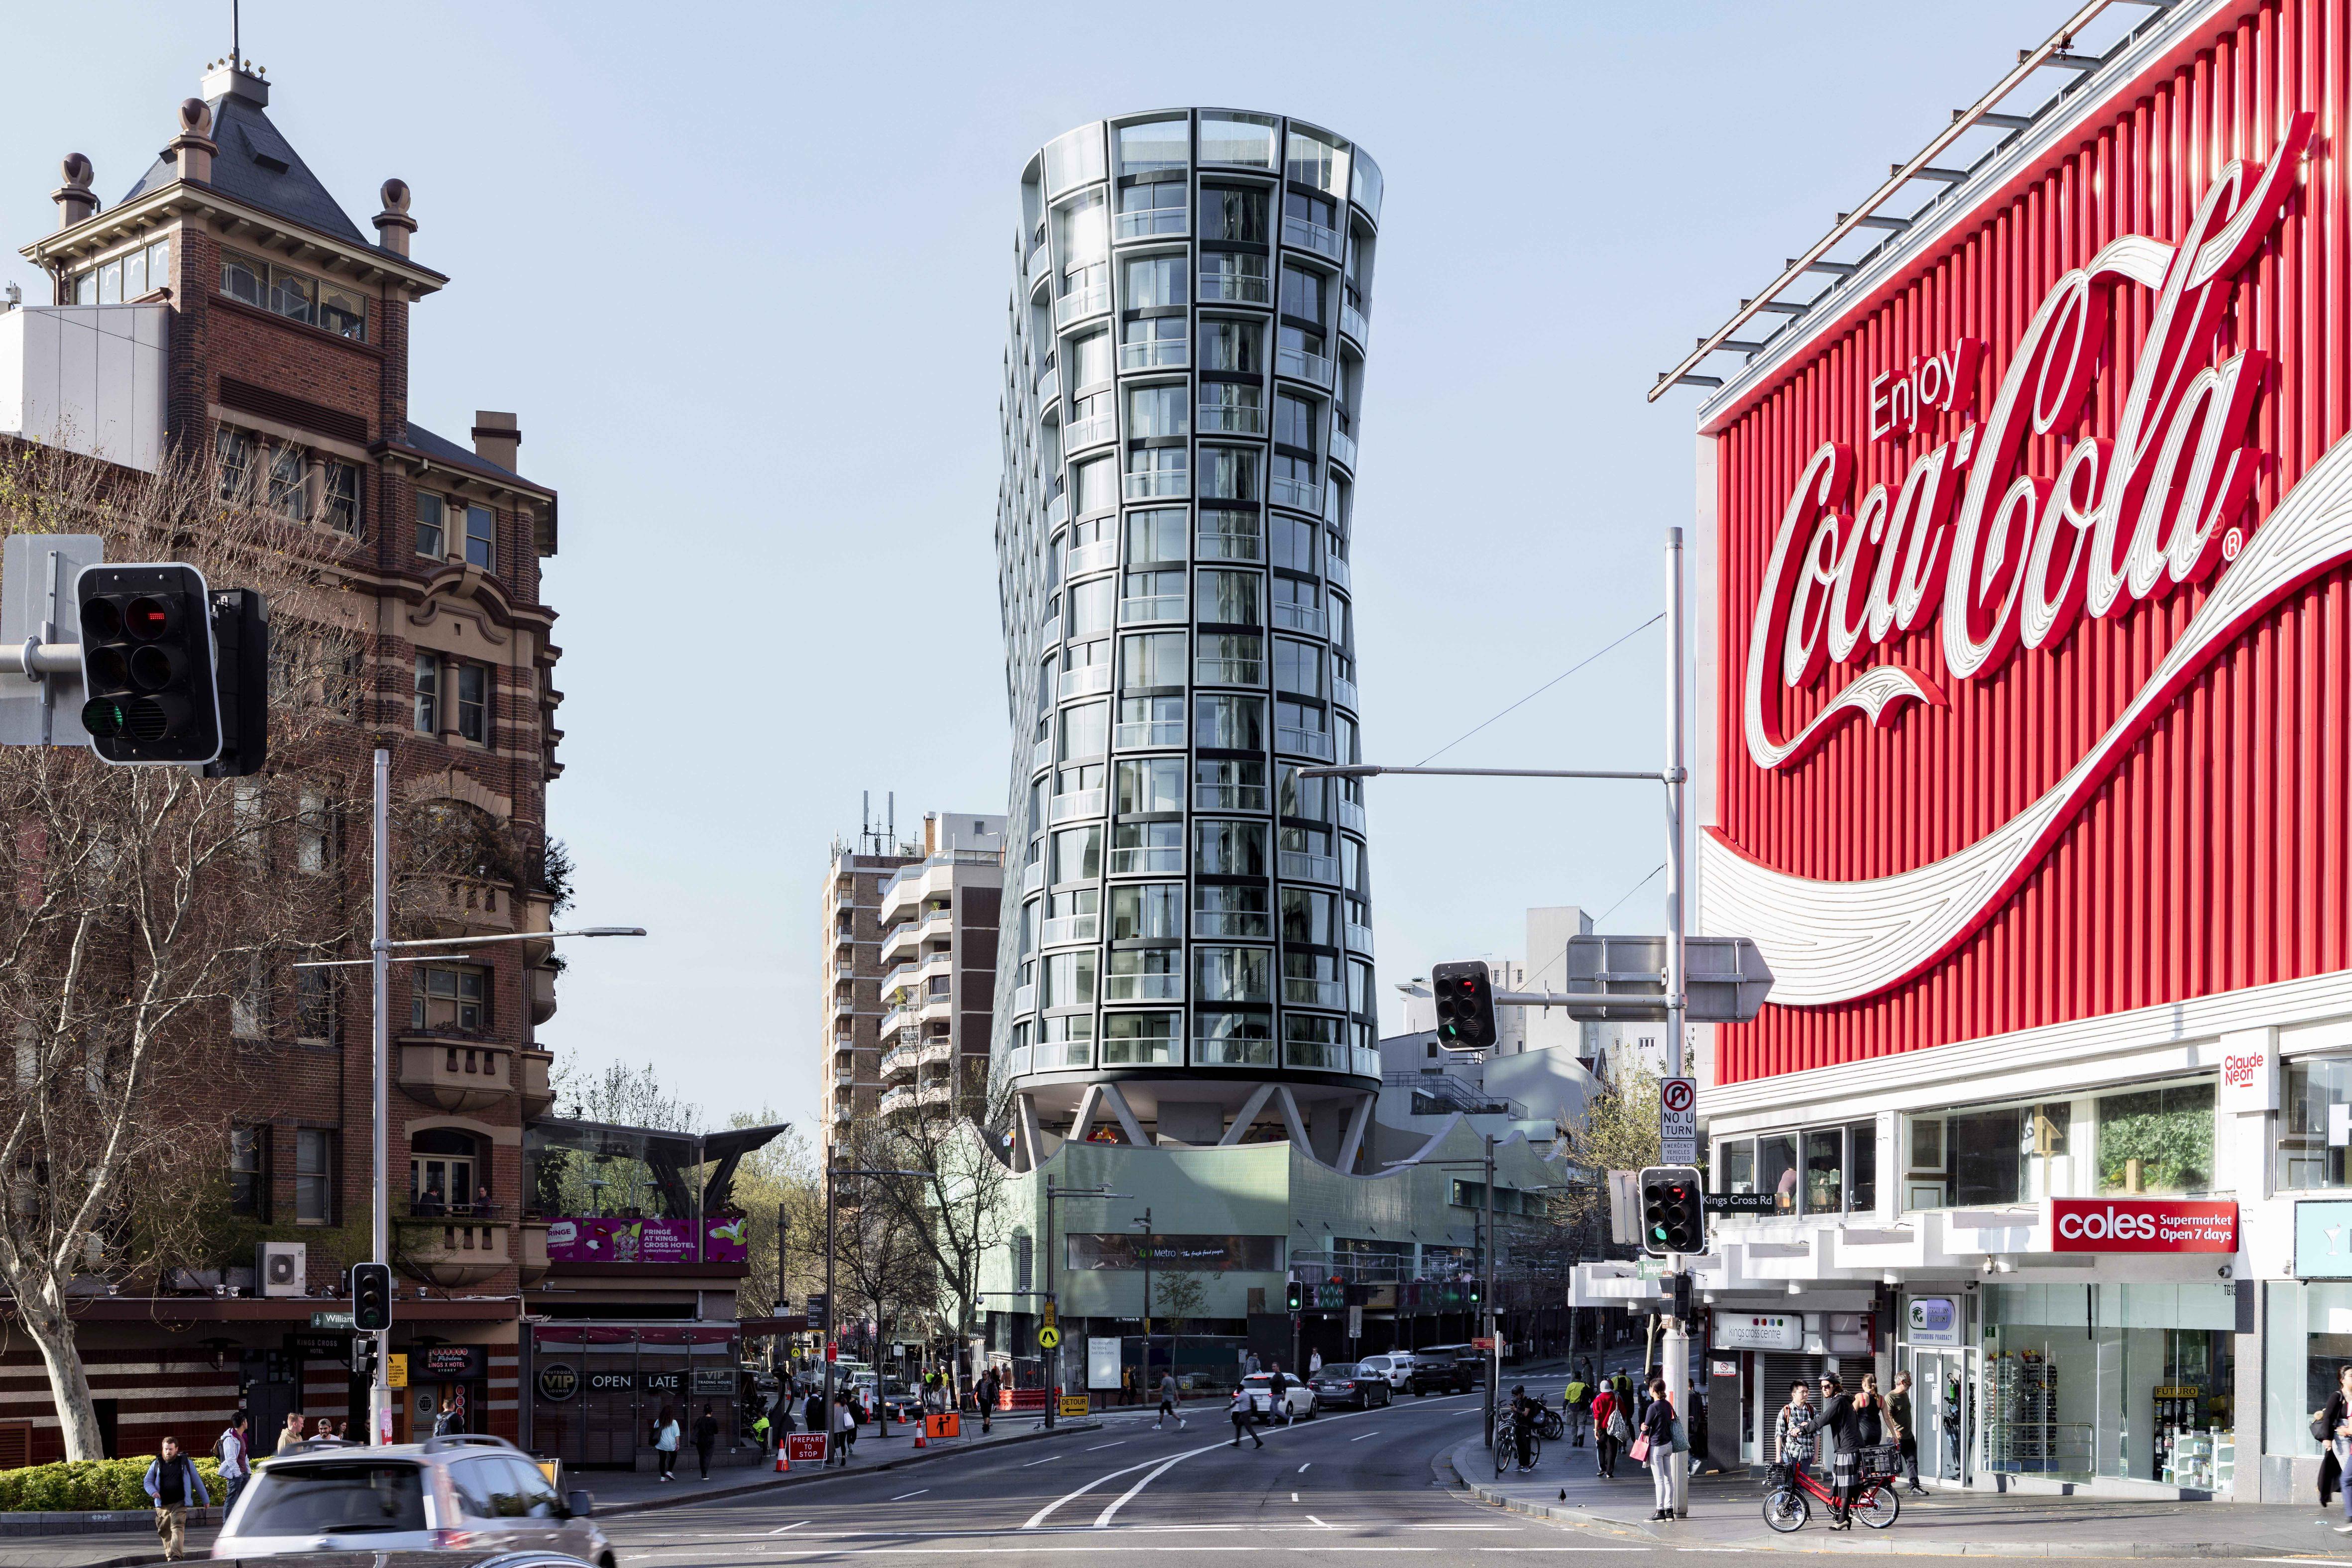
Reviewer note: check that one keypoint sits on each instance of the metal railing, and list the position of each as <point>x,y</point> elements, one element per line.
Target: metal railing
<point>1080,433</point>
<point>1145,222</point>
<point>1351,815</point>
<point>1077,803</point>
<point>1033,876</point>
<point>1155,353</point>
<point>1086,558</point>
<point>1309,235</point>
<point>1041,755</point>
<point>1360,939</point>
<point>1302,743</point>
<point>1080,303</point>
<point>1143,734</point>
<point>1343,447</point>
<point>1143,988</point>
<point>1343,691</point>
<point>1151,608</point>
<point>1229,671</point>
<point>1232,419</point>
<point>1232,1052</point>
<point>1304,365</point>
<point>1335,567</point>
<point>1221,288</point>
<point>1303,494</point>
<point>1233,924</point>
<point>1300,992</point>
<point>1084,680</point>
<point>1291,615</point>
<point>1299,866</point>
<point>1024,997</point>
<point>1158,484</point>
<point>1228,545</point>
<point>1063,929</point>
<point>1057,509</point>
<point>1229,798</point>
<point>1353,323</point>
<point>1147,859</point>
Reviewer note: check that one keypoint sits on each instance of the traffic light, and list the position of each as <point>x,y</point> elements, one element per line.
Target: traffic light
<point>1685,1296</point>
<point>1297,1297</point>
<point>1673,1211</point>
<point>240,620</point>
<point>1466,1005</point>
<point>1474,1287</point>
<point>147,664</point>
<point>371,1298</point>
<point>363,1357</point>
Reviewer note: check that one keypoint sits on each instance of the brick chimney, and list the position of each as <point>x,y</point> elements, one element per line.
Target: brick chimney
<point>496,437</point>
<point>75,201</point>
<point>394,226</point>
<point>192,151</point>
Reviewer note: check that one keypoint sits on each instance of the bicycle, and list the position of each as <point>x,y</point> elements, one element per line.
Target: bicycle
<point>1506,1449</point>
<point>1786,1509</point>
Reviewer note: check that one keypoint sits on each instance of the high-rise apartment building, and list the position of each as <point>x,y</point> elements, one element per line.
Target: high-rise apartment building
<point>1190,960</point>
<point>910,971</point>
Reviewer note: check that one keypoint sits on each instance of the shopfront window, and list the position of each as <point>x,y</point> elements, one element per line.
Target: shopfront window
<point>1777,1158</point>
<point>1736,1166</point>
<point>1824,1184</point>
<point>1997,1155</point>
<point>2306,1342</point>
<point>2313,1130</point>
<point>2136,1381</point>
<point>2157,1140</point>
<point>1838,1173</point>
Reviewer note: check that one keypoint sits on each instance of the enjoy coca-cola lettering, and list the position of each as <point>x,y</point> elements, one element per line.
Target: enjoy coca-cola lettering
<point>2143,1225</point>
<point>2005,558</point>
<point>1944,383</point>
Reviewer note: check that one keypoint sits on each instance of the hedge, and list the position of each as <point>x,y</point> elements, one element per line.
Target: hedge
<point>91,1486</point>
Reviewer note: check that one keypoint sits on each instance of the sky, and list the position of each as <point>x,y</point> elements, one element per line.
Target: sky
<point>742,272</point>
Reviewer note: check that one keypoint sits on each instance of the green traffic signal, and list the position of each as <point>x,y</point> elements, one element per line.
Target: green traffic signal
<point>104,717</point>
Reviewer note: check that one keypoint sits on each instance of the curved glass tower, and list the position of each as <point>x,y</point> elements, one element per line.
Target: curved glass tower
<point>1188,955</point>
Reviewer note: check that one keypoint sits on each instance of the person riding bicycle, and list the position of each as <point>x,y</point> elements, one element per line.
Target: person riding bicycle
<point>1523,1425</point>
<point>1842,1416</point>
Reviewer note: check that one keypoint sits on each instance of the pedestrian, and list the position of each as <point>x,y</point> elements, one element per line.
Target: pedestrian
<point>666,1443</point>
<point>1840,1417</point>
<point>1607,1432</point>
<point>1240,1411</point>
<point>1658,1433</point>
<point>325,1431</point>
<point>1314,1363</point>
<point>1126,1385</point>
<point>987,1395</point>
<point>1792,1431</point>
<point>445,1415</point>
<point>760,1430</point>
<point>343,1430</point>
<point>1907,1440</point>
<point>290,1433</point>
<point>1167,1403</point>
<point>2333,1424</point>
<point>706,1436</point>
<point>1253,1363</point>
<point>174,1486</point>
<point>1575,1401</point>
<point>235,1457</point>
<point>1523,1426</point>
<point>845,1427</point>
<point>812,1416</point>
<point>1277,1388</point>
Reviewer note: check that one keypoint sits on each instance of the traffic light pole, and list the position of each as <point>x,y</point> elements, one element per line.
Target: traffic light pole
<point>379,965</point>
<point>1487,1273</point>
<point>1676,1350</point>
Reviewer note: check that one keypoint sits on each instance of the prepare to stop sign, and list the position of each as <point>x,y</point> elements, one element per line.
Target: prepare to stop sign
<point>1678,1121</point>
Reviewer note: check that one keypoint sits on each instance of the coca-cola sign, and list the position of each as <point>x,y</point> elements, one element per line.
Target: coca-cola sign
<point>1992,560</point>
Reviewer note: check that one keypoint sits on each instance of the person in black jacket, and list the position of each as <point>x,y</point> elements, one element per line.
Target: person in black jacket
<point>1842,1417</point>
<point>1658,1426</point>
<point>2335,1418</point>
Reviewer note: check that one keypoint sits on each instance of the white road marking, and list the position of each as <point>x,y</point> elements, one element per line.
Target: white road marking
<point>1366,1434</point>
<point>1047,1459</point>
<point>1107,1514</point>
<point>902,1496</point>
<point>1302,1470</point>
<point>1312,1520</point>
<point>1099,1448</point>
<point>795,1525</point>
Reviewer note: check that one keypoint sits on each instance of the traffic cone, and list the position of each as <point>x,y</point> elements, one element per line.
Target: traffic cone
<point>784,1464</point>
<point>921,1421</point>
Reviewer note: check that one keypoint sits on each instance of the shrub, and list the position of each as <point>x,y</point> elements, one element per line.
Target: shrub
<point>90,1485</point>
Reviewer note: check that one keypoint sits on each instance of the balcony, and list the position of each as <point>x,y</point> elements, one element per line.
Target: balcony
<point>1092,432</point>
<point>1033,876</point>
<point>1302,743</point>
<point>845,1075</point>
<point>1143,988</point>
<point>1307,234</point>
<point>1025,999</point>
<point>1077,803</point>
<point>1360,939</point>
<point>1303,494</point>
<point>539,992</point>
<point>451,1251</point>
<point>1229,798</point>
<point>1232,419</point>
<point>907,937</point>
<point>1080,303</point>
<point>1155,353</point>
<point>1351,815</point>
<point>1057,509</point>
<point>532,1267</point>
<point>1343,691</point>
<point>1146,733</point>
<point>1035,266</point>
<point>1158,484</point>
<point>1292,617</point>
<point>474,904</point>
<point>1219,287</point>
<point>1352,323</point>
<point>1224,926</point>
<point>1086,558</point>
<point>1299,993</point>
<point>1304,366</point>
<point>1151,221</point>
<point>455,1075</point>
<point>1335,568</point>
<point>1147,859</point>
<point>1343,446</point>
<point>1041,755</point>
<point>1299,866</point>
<point>1229,671</point>
<point>1084,680</point>
<point>1149,608</point>
<point>1064,930</point>
<point>1229,543</point>
<point>536,1094</point>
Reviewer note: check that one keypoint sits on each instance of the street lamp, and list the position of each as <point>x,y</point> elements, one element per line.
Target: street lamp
<point>380,959</point>
<point>1144,1224</point>
<point>1054,1195</point>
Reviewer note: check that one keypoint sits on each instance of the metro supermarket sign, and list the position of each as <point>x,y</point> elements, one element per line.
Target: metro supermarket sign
<point>2143,1225</point>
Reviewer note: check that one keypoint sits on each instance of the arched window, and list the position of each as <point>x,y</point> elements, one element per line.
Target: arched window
<point>447,1174</point>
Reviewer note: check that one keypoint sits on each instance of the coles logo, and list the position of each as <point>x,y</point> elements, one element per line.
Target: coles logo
<point>2143,1225</point>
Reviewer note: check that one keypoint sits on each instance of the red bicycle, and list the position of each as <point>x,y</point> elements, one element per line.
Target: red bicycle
<point>1787,1510</point>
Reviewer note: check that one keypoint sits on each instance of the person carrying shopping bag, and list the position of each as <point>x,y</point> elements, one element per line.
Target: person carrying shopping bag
<point>1656,1447</point>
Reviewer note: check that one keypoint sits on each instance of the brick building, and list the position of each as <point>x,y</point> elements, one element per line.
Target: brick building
<point>283,345</point>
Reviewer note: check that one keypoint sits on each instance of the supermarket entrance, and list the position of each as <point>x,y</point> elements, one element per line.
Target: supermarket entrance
<point>1943,1409</point>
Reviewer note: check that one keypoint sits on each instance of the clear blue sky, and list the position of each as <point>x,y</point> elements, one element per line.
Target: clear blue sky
<point>742,272</point>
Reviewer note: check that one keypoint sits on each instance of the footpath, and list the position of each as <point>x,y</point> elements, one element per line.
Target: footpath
<point>618,1494</point>
<point>1726,1513</point>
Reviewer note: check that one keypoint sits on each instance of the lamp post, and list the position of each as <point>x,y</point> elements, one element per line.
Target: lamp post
<point>1052,1195</point>
<point>380,961</point>
<point>1145,1225</point>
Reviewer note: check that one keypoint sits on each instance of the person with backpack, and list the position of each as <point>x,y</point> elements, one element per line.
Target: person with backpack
<point>235,1457</point>
<point>1607,1432</point>
<point>1240,1411</point>
<point>174,1486</point>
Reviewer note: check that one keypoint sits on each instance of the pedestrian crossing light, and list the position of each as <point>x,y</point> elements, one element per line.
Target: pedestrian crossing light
<point>1673,1211</point>
<point>1466,1005</point>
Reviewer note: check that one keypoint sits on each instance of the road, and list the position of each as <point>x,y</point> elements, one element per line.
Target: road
<point>1348,1484</point>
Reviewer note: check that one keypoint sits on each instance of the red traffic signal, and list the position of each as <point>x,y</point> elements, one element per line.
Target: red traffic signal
<point>1466,1005</point>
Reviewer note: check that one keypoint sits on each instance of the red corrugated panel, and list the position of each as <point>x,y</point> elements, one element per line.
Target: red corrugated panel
<point>2215,857</point>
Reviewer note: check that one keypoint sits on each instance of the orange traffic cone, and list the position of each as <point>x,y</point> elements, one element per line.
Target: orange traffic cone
<point>782,1463</point>
<point>921,1421</point>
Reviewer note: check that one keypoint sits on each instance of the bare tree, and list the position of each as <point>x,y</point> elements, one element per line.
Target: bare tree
<point>779,1182</point>
<point>148,915</point>
<point>1182,1298</point>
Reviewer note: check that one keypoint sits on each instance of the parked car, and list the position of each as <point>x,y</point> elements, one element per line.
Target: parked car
<point>463,1490</point>
<point>498,1557</point>
<point>1299,1396</point>
<point>1363,1385</point>
<point>1394,1365</point>
<point>1443,1369</point>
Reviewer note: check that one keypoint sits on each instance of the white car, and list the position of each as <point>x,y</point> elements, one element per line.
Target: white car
<point>1394,1365</point>
<point>1259,1387</point>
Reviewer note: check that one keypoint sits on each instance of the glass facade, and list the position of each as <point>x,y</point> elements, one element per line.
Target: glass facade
<point>1207,510</point>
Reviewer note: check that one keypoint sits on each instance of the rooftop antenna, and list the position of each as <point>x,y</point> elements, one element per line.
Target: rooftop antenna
<point>892,798</point>
<point>235,36</point>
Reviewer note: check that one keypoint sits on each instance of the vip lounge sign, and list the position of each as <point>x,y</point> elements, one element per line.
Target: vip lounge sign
<point>1992,560</point>
<point>2142,1224</point>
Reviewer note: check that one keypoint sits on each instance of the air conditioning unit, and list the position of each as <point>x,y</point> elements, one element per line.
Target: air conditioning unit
<point>282,1268</point>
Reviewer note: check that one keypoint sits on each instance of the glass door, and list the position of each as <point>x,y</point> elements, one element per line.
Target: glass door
<point>1941,1404</point>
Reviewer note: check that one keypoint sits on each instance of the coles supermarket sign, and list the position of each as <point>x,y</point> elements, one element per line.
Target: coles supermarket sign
<point>2143,1225</point>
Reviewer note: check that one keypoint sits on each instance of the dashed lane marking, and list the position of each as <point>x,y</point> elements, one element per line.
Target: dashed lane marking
<point>902,1496</point>
<point>1099,1448</point>
<point>795,1525</point>
<point>1046,1461</point>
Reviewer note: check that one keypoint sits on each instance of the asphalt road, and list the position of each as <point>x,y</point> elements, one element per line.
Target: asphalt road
<point>1354,1484</point>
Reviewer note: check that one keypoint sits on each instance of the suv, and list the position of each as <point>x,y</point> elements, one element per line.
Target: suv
<point>459,1491</point>
<point>1444,1369</point>
<point>1394,1365</point>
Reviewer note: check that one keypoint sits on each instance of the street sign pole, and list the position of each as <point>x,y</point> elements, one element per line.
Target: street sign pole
<point>1678,1340</point>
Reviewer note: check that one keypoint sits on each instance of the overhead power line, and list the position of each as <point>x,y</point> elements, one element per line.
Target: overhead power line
<point>1540,690</point>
